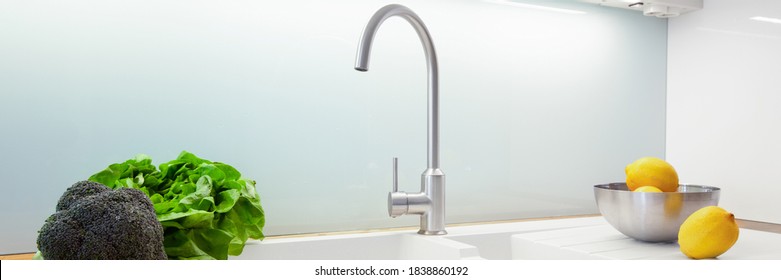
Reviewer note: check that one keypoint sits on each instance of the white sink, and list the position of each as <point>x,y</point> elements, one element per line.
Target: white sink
<point>402,245</point>
<point>575,238</point>
<point>491,241</point>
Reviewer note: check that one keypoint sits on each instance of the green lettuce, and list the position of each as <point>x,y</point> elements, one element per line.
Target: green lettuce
<point>208,211</point>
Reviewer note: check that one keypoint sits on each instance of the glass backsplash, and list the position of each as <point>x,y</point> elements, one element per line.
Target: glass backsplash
<point>537,105</point>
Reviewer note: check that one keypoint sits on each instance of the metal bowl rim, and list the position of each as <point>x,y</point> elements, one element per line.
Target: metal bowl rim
<point>704,187</point>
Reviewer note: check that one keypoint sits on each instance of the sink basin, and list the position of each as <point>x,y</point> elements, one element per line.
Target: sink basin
<point>489,241</point>
<point>571,239</point>
<point>366,246</point>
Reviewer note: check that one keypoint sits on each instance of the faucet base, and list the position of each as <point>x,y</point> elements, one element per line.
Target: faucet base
<point>432,232</point>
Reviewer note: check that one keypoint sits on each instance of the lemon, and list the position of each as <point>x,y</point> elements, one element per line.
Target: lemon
<point>708,233</point>
<point>672,204</point>
<point>648,189</point>
<point>651,171</point>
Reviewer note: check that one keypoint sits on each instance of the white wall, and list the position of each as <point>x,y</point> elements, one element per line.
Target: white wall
<point>724,104</point>
<point>537,106</point>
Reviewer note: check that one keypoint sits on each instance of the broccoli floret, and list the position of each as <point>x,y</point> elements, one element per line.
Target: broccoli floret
<point>94,222</point>
<point>78,191</point>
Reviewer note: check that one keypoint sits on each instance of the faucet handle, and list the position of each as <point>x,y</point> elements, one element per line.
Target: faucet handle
<point>402,203</point>
<point>395,174</point>
<point>397,201</point>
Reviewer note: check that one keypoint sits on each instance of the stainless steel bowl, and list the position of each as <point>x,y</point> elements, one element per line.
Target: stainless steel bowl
<point>652,217</point>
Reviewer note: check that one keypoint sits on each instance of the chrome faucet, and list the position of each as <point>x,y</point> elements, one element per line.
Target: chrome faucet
<point>430,201</point>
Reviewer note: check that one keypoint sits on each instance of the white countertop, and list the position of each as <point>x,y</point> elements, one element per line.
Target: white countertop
<point>602,241</point>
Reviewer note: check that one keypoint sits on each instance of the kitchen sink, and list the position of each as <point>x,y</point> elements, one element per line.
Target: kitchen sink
<point>487,241</point>
<point>565,239</point>
<point>400,245</point>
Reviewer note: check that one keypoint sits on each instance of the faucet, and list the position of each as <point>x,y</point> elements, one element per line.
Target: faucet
<point>429,203</point>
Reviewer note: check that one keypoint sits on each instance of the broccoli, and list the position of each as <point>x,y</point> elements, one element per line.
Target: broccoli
<point>94,222</point>
<point>77,192</point>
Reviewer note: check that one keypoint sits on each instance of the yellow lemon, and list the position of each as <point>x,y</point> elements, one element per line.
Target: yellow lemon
<point>708,233</point>
<point>673,203</point>
<point>647,189</point>
<point>651,171</point>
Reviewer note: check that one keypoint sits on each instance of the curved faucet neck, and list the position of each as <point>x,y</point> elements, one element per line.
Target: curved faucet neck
<point>362,64</point>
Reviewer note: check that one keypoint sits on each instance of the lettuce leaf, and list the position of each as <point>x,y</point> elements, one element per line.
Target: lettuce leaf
<point>207,210</point>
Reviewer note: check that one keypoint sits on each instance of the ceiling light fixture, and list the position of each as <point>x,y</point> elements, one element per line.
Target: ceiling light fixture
<point>655,8</point>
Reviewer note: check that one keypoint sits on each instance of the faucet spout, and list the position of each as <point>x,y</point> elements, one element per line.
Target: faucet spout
<point>362,64</point>
<point>430,202</point>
